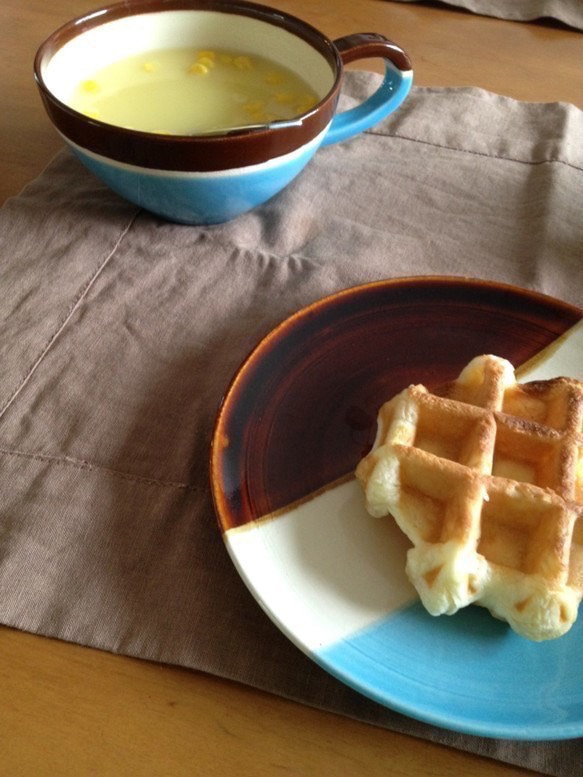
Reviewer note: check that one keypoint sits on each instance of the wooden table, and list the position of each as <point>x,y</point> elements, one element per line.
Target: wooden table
<point>69,710</point>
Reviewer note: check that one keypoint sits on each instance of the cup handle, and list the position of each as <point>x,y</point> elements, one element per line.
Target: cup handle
<point>389,95</point>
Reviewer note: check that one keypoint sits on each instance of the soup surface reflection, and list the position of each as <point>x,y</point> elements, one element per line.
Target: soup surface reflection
<point>189,92</point>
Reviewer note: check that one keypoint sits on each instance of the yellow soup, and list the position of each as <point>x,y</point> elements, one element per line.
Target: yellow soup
<point>185,92</point>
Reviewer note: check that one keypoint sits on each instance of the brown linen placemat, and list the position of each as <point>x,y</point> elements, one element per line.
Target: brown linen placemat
<point>570,12</point>
<point>120,333</point>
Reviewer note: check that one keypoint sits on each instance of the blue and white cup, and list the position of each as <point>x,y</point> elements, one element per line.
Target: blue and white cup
<point>210,178</point>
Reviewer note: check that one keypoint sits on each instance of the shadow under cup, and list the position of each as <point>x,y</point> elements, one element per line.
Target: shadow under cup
<point>209,178</point>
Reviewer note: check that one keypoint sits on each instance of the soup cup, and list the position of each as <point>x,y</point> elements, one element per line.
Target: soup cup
<point>210,178</point>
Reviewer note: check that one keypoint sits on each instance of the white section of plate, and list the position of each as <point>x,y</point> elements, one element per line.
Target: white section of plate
<point>563,357</point>
<point>306,566</point>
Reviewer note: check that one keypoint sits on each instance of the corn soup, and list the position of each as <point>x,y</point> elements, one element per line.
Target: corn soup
<point>185,92</point>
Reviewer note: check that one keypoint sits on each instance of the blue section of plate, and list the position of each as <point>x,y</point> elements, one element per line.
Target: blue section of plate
<point>468,672</point>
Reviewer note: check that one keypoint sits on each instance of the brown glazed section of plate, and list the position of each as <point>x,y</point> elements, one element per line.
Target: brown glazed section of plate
<point>301,411</point>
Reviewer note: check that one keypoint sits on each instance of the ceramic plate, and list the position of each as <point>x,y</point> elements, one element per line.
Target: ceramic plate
<point>298,416</point>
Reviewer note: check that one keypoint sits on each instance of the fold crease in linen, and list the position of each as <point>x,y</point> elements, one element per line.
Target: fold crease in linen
<point>121,332</point>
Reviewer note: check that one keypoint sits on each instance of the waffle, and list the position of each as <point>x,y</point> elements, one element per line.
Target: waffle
<point>486,480</point>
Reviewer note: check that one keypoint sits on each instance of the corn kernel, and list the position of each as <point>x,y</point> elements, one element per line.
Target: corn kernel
<point>274,78</point>
<point>93,113</point>
<point>243,62</point>
<point>198,69</point>
<point>208,62</point>
<point>207,54</point>
<point>150,67</point>
<point>254,106</point>
<point>306,104</point>
<point>90,86</point>
<point>258,117</point>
